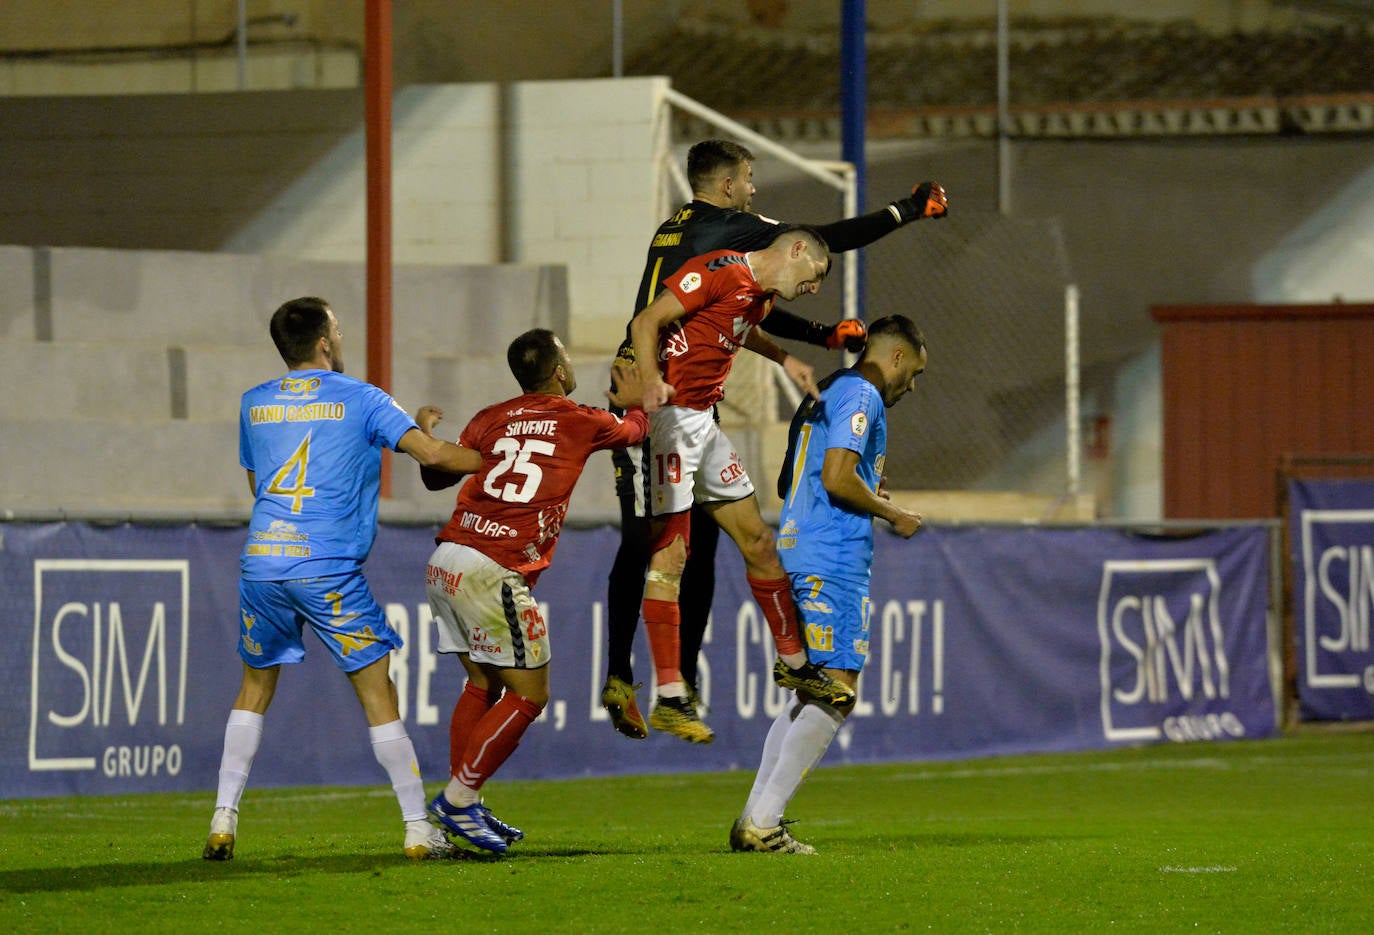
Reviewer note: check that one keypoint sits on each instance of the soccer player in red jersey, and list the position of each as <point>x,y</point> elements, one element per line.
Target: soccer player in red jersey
<point>719,216</point>
<point>501,536</point>
<point>709,309</point>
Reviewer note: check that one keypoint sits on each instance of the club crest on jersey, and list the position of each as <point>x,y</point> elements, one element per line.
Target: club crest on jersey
<point>674,344</point>
<point>690,283</point>
<point>858,424</point>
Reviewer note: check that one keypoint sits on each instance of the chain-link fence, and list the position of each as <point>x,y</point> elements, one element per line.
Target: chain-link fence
<point>989,293</point>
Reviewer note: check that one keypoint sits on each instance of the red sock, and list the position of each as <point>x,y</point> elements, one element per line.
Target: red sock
<point>775,600</point>
<point>495,738</point>
<point>662,620</point>
<point>472,704</point>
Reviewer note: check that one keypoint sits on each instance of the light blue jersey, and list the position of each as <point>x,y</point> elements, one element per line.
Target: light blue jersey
<point>818,534</point>
<point>313,440</point>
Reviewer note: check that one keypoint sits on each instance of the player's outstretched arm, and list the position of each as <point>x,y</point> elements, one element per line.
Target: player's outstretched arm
<point>442,464</point>
<point>927,200</point>
<point>848,333</point>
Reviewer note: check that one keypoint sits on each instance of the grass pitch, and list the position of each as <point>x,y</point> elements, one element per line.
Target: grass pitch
<point>1239,837</point>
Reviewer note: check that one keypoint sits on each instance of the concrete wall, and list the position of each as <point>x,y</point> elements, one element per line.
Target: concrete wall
<point>123,369</point>
<point>542,172</point>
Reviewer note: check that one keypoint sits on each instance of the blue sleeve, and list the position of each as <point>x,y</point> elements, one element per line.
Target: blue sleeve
<point>386,420</point>
<point>245,449</point>
<point>849,415</point>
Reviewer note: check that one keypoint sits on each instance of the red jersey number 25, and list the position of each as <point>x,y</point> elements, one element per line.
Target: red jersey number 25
<point>523,483</point>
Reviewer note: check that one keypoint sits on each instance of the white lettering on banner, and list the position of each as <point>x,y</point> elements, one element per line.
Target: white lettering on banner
<point>1161,637</point>
<point>398,663</point>
<point>420,662</point>
<point>94,644</point>
<point>894,619</point>
<point>123,762</point>
<point>751,637</point>
<point>1350,595</point>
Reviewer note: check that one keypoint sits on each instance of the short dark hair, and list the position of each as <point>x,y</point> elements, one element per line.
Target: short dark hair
<point>297,325</point>
<point>807,232</point>
<point>533,357</point>
<point>898,326</point>
<point>708,157</point>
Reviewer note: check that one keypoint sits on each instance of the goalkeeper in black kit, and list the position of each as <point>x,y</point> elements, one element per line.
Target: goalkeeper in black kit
<point>721,174</point>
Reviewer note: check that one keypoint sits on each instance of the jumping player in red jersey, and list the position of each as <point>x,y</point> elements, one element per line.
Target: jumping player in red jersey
<point>501,537</point>
<point>710,309</point>
<point>719,216</point>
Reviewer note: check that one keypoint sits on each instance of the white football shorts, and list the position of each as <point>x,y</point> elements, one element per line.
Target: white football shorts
<point>484,609</point>
<point>691,460</point>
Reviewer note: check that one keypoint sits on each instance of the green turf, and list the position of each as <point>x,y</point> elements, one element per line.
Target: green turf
<point>1240,837</point>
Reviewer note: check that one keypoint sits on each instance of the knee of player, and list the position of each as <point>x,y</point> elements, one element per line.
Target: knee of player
<point>665,579</point>
<point>539,697</point>
<point>835,712</point>
<point>671,559</point>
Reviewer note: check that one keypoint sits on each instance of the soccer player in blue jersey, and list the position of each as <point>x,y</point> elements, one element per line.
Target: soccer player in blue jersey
<point>832,488</point>
<point>311,442</point>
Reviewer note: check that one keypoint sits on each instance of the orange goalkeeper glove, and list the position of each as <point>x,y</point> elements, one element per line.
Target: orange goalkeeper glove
<point>851,334</point>
<point>928,200</point>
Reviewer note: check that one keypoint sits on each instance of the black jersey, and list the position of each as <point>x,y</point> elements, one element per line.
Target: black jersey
<point>699,227</point>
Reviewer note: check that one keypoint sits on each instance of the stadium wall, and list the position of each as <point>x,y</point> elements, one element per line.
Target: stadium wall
<point>559,172</point>
<point>1246,385</point>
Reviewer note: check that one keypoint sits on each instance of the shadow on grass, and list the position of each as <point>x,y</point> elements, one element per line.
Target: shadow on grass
<point>195,870</point>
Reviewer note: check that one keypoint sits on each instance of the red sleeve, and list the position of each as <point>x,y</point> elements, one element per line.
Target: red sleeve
<point>612,431</point>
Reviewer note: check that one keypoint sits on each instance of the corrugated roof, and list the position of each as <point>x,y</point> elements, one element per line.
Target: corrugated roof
<point>1093,66</point>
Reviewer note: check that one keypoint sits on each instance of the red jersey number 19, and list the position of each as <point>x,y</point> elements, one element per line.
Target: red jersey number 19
<point>669,468</point>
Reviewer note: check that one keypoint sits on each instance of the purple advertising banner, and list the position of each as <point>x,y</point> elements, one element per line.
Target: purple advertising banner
<point>1331,545</point>
<point>985,640</point>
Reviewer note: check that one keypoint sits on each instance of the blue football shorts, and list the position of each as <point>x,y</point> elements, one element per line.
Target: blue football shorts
<point>833,614</point>
<point>339,608</point>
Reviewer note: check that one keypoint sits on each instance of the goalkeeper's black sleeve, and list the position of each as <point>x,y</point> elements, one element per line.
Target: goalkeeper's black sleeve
<point>853,233</point>
<point>783,324</point>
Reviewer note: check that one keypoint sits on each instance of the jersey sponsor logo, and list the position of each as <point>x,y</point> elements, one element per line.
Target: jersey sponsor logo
<point>298,385</point>
<point>858,424</point>
<point>486,527</point>
<point>690,283</point>
<point>280,538</point>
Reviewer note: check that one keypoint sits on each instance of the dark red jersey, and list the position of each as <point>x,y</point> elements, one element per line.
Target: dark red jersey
<point>723,302</point>
<point>534,448</point>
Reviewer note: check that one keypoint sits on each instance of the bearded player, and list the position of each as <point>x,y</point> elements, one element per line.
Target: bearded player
<point>500,538</point>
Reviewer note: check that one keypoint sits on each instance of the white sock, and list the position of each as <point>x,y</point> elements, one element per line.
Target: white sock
<point>676,689</point>
<point>242,736</point>
<point>772,746</point>
<point>793,660</point>
<point>806,742</point>
<point>459,795</point>
<point>392,747</point>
